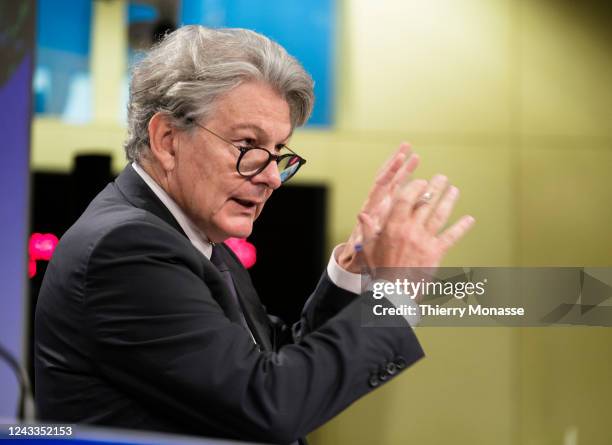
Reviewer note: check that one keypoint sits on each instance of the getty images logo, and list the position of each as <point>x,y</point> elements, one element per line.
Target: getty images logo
<point>423,288</point>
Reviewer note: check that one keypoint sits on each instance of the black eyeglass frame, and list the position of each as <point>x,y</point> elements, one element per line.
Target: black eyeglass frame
<point>271,156</point>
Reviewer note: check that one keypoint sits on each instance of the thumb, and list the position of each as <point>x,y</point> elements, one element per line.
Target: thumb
<point>368,228</point>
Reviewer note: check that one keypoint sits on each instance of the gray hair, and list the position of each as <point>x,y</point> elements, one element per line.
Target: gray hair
<point>190,68</point>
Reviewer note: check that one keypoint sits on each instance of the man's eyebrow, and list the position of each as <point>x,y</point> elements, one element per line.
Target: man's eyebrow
<point>257,129</point>
<point>253,127</point>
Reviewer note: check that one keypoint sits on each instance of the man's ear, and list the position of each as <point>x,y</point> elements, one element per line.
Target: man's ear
<point>163,140</point>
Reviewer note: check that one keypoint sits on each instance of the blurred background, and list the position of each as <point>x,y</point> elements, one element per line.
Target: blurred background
<point>512,99</point>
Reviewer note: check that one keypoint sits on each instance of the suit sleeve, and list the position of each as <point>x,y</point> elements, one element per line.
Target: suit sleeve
<point>325,302</point>
<point>160,336</point>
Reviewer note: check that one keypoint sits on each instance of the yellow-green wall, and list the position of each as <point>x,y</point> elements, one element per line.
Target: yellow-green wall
<point>512,99</point>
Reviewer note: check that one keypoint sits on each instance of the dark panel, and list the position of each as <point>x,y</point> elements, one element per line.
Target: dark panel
<point>290,240</point>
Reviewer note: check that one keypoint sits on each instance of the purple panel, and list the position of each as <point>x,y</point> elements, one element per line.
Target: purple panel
<point>15,97</point>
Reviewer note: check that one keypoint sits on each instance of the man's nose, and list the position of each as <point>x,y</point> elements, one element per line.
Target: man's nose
<point>269,176</point>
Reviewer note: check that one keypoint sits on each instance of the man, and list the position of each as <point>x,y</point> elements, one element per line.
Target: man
<point>146,320</point>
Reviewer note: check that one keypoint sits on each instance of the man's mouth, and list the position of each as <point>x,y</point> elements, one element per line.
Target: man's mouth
<point>246,203</point>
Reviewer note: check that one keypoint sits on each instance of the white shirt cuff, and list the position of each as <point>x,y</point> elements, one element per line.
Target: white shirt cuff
<point>352,282</point>
<point>343,278</point>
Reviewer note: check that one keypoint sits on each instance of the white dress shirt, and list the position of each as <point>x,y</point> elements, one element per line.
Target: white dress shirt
<point>195,235</point>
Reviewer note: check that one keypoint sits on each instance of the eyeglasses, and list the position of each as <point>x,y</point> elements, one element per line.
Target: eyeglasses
<point>253,160</point>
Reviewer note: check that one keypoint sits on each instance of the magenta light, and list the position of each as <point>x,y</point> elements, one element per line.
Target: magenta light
<point>31,267</point>
<point>245,251</point>
<point>42,246</point>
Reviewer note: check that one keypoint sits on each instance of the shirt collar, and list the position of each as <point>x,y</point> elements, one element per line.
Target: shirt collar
<point>195,235</point>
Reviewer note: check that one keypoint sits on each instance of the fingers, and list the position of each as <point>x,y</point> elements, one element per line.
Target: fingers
<point>413,162</point>
<point>436,188</point>
<point>369,234</point>
<point>368,227</point>
<point>442,212</point>
<point>405,201</point>
<point>404,172</point>
<point>379,209</point>
<point>402,151</point>
<point>395,171</point>
<point>450,236</point>
<point>381,185</point>
<point>393,163</point>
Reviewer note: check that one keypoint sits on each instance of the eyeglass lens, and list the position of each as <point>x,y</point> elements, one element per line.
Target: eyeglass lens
<point>255,160</point>
<point>288,166</point>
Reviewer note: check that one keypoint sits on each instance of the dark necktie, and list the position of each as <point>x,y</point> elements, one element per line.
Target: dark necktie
<point>222,267</point>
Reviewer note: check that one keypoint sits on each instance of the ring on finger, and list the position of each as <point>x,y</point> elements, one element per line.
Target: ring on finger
<point>426,197</point>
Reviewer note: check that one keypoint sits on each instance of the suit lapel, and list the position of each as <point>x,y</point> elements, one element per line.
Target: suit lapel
<point>254,313</point>
<point>138,193</point>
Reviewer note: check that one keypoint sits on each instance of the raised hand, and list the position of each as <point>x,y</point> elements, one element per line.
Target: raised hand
<point>391,177</point>
<point>410,235</point>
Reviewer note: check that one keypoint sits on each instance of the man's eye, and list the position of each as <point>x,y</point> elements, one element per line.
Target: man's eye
<point>247,143</point>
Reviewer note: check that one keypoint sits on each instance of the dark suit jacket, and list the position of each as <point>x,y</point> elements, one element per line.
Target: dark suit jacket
<point>136,328</point>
